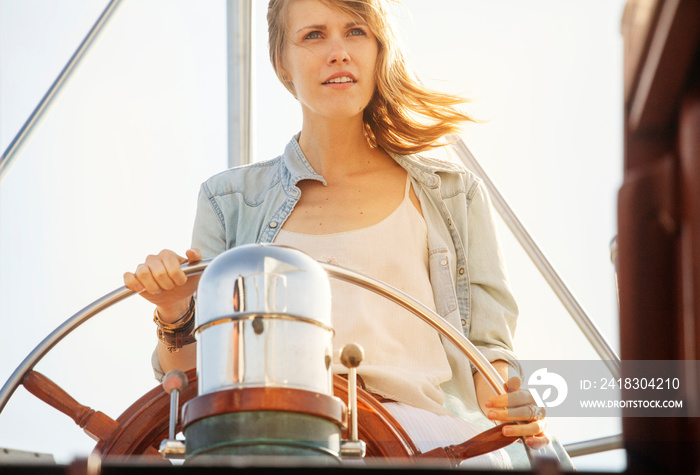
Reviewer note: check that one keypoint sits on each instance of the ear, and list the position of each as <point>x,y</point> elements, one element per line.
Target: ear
<point>285,74</point>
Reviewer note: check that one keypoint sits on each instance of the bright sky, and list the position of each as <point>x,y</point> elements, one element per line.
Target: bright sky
<point>112,173</point>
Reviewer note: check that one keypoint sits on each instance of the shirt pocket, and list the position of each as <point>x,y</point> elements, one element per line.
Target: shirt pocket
<point>442,282</point>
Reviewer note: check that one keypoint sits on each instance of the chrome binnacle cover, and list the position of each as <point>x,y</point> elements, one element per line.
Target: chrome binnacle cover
<point>263,319</point>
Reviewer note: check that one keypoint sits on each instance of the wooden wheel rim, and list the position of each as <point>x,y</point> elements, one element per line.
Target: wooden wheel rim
<point>145,423</point>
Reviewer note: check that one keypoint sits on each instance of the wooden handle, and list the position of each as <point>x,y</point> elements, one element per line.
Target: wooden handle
<point>49,392</point>
<point>96,424</point>
<point>487,441</point>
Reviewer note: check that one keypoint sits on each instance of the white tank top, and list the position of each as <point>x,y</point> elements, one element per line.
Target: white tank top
<point>404,357</point>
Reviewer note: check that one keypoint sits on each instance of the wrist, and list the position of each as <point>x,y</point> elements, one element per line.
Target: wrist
<point>173,312</point>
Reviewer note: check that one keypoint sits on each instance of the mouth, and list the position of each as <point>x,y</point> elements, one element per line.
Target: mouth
<point>342,79</point>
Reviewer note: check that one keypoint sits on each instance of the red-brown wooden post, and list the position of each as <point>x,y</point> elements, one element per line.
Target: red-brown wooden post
<point>659,217</point>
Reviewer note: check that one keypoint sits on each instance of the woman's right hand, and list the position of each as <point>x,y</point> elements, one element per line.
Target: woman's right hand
<point>161,280</point>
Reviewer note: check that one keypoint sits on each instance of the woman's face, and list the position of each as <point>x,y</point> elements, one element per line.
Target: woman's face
<point>330,57</point>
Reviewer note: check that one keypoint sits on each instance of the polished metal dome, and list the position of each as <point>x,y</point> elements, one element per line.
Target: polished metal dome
<point>264,319</point>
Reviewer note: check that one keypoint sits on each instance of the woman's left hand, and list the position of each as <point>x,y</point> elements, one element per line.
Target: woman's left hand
<point>518,405</point>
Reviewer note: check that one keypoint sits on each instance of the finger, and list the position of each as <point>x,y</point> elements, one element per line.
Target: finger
<point>167,254</point>
<point>513,384</point>
<point>132,283</point>
<point>534,428</point>
<point>172,264</point>
<point>144,276</point>
<point>519,413</point>
<point>537,441</point>
<point>159,273</point>
<point>194,254</point>
<point>521,397</point>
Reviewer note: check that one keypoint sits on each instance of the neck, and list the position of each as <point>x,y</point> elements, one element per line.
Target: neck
<point>337,148</point>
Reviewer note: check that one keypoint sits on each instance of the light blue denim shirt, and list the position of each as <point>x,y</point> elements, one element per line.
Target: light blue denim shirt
<point>250,204</point>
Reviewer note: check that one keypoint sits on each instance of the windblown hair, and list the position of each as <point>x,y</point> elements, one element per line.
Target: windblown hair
<point>403,116</point>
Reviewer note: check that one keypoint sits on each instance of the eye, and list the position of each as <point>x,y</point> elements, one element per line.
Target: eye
<point>314,35</point>
<point>357,32</point>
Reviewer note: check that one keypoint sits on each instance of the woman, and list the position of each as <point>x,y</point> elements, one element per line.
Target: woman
<point>351,190</point>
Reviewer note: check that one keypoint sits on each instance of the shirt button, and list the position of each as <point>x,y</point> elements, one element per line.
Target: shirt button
<point>461,271</point>
<point>464,323</point>
<point>273,224</point>
<point>443,262</point>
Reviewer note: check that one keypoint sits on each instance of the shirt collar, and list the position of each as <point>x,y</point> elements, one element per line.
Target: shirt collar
<point>423,169</point>
<point>297,165</point>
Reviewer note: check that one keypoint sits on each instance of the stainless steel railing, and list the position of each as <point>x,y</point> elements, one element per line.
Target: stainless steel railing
<point>594,446</point>
<point>38,114</point>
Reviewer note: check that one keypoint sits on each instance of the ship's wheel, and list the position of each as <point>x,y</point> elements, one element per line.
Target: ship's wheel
<point>142,427</point>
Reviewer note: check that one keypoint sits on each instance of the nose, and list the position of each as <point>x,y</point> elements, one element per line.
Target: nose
<point>338,53</point>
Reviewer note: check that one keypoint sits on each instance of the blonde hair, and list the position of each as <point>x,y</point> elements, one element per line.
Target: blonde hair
<point>403,116</point>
